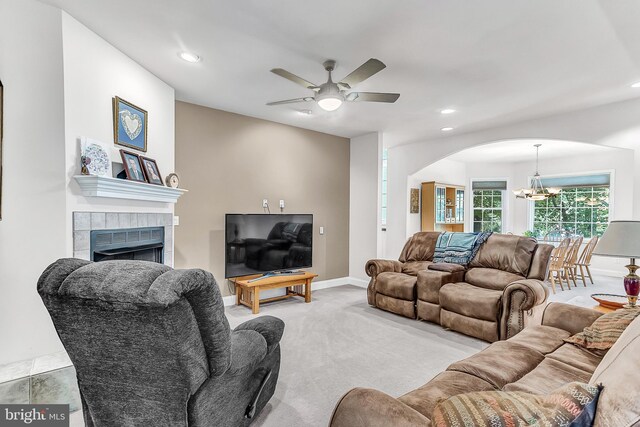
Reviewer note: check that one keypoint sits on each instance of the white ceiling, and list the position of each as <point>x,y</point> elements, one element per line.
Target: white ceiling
<point>523,150</point>
<point>496,61</point>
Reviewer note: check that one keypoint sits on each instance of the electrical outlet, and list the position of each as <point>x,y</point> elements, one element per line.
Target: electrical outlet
<point>281,204</point>
<point>265,203</point>
<point>321,230</point>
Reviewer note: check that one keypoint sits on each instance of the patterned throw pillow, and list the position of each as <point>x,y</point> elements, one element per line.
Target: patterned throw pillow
<point>573,405</point>
<point>605,331</point>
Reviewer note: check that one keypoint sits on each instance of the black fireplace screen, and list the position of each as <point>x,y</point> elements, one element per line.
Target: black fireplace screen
<point>146,244</point>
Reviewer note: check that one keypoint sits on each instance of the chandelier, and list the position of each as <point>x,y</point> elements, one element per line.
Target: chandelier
<point>537,191</point>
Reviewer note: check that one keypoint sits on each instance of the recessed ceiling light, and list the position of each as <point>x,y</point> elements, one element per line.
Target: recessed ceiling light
<point>447,111</point>
<point>305,112</point>
<point>189,57</point>
<point>446,129</point>
<point>636,85</point>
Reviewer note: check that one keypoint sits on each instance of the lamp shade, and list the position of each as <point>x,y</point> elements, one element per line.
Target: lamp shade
<point>621,239</point>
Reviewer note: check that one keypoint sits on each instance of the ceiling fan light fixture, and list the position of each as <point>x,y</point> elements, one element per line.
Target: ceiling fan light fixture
<point>330,104</point>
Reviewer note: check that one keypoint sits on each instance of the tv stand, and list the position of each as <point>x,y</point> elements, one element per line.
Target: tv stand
<point>248,287</point>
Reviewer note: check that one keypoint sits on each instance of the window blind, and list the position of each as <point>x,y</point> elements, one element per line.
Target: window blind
<point>599,180</point>
<point>489,185</point>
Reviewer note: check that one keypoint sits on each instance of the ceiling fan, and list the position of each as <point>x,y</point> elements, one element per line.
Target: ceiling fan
<point>330,95</point>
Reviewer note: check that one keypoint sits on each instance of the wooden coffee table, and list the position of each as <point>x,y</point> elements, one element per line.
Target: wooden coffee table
<point>248,292</point>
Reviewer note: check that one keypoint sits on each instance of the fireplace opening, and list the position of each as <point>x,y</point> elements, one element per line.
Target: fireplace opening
<point>145,244</point>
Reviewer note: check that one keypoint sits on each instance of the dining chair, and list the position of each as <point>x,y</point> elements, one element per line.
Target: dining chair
<point>584,261</point>
<point>556,266</point>
<point>571,259</point>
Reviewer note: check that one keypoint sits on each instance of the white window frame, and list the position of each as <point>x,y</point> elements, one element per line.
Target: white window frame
<point>384,171</point>
<point>612,181</point>
<point>469,203</point>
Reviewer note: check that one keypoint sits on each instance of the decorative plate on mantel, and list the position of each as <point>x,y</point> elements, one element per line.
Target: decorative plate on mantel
<point>611,301</point>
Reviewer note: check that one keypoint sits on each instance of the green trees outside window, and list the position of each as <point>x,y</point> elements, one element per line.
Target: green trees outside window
<point>578,210</point>
<point>487,210</point>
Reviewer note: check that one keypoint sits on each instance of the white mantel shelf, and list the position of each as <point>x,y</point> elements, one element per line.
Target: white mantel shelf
<point>102,186</point>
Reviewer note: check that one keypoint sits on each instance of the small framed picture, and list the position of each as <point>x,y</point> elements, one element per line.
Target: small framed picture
<point>129,125</point>
<point>132,166</point>
<point>415,201</point>
<point>150,168</point>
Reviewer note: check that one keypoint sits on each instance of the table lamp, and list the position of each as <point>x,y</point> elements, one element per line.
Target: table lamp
<point>622,240</point>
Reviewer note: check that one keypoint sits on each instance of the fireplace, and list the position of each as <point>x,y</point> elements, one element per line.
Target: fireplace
<point>123,235</point>
<point>145,244</point>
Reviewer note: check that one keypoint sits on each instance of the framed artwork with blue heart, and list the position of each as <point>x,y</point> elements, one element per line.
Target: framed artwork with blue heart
<point>129,125</point>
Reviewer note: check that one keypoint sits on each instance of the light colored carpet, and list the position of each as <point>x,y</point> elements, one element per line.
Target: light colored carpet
<point>581,295</point>
<point>338,342</point>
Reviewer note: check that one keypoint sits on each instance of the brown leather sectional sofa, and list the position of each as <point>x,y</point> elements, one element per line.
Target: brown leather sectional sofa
<point>493,299</point>
<point>537,361</point>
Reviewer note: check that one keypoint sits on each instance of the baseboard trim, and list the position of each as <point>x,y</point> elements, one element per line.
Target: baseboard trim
<point>316,286</point>
<point>358,282</point>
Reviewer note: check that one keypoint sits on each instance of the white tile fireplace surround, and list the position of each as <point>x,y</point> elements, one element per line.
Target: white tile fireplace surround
<point>85,222</point>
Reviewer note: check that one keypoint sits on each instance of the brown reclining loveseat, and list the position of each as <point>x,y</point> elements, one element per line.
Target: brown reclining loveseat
<point>491,299</point>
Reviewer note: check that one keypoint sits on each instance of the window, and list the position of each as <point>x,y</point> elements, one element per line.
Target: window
<point>488,205</point>
<point>487,210</point>
<point>582,210</point>
<point>383,213</point>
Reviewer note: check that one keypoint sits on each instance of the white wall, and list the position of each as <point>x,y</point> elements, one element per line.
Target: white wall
<point>95,72</point>
<point>58,84</point>
<point>445,171</point>
<point>616,125</point>
<point>518,175</point>
<point>364,203</point>
<point>32,232</point>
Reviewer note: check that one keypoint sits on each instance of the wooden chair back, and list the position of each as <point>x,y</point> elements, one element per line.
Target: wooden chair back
<point>574,249</point>
<point>559,255</point>
<point>585,256</point>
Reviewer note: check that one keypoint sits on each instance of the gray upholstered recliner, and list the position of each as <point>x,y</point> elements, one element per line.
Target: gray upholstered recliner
<point>152,346</point>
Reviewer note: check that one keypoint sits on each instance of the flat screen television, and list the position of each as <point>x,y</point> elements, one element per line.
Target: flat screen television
<point>264,243</point>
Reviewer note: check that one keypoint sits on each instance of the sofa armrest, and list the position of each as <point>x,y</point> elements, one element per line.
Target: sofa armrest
<point>377,266</point>
<point>517,298</point>
<point>248,348</point>
<point>271,328</point>
<point>365,407</point>
<point>571,318</point>
<point>447,267</point>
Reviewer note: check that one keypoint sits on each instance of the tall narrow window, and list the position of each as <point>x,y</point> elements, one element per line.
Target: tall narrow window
<point>488,205</point>
<point>383,204</point>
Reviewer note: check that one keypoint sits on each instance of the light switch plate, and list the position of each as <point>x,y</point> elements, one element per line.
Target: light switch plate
<point>176,220</point>
<point>321,230</point>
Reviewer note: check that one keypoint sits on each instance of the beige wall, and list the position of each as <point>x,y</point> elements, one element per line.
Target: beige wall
<point>230,162</point>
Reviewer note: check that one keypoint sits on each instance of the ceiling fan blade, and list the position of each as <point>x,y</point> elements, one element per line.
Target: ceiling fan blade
<point>291,101</point>
<point>362,73</point>
<point>372,97</point>
<point>292,77</point>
